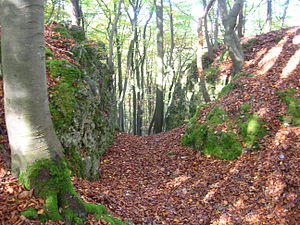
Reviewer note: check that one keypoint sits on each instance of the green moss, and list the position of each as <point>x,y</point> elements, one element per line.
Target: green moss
<point>30,213</point>
<point>78,33</point>
<point>224,56</point>
<point>251,129</point>
<point>205,137</point>
<point>51,181</point>
<point>278,38</point>
<point>242,75</point>
<point>223,145</point>
<point>62,30</point>
<point>245,108</point>
<point>249,43</point>
<point>293,106</point>
<point>211,74</point>
<point>226,89</point>
<point>63,94</point>
<point>113,221</point>
<point>48,53</point>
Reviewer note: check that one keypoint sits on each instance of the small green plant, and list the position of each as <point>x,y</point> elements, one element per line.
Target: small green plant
<point>211,74</point>
<point>62,30</point>
<point>293,106</point>
<point>48,53</point>
<point>224,55</point>
<point>278,38</point>
<point>30,213</point>
<point>226,89</point>
<point>237,76</point>
<point>249,43</point>
<point>170,153</point>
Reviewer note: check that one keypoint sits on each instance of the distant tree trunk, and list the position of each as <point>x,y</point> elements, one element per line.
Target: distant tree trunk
<point>76,15</point>
<point>269,15</point>
<point>230,37</point>
<point>159,103</point>
<point>240,25</point>
<point>206,32</point>
<point>216,29</point>
<point>286,5</point>
<point>200,50</point>
<point>120,87</point>
<point>134,111</point>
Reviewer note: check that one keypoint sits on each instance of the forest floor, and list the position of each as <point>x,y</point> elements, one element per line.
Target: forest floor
<point>155,180</point>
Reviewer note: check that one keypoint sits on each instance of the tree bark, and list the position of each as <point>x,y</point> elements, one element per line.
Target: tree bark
<point>206,32</point>
<point>200,50</point>
<point>269,15</point>
<point>230,37</point>
<point>159,103</point>
<point>286,5</point>
<point>240,25</point>
<point>76,15</point>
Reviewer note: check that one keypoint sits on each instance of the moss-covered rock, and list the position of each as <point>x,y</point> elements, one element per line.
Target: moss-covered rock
<point>208,139</point>
<point>293,106</point>
<point>216,136</point>
<point>79,102</point>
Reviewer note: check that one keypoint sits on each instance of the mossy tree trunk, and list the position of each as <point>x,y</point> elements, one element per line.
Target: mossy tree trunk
<point>37,155</point>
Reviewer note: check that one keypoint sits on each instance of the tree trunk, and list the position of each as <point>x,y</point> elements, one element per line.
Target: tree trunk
<point>230,38</point>
<point>76,16</point>
<point>37,155</point>
<point>159,103</point>
<point>286,5</point>
<point>269,15</point>
<point>206,32</point>
<point>200,50</point>
<point>240,25</point>
<point>216,29</point>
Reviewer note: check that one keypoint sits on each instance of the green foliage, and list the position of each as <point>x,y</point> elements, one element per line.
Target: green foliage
<point>251,130</point>
<point>51,181</point>
<point>237,76</point>
<point>293,106</point>
<point>206,61</point>
<point>278,38</point>
<point>249,43</point>
<point>210,140</point>
<point>224,56</point>
<point>30,213</point>
<point>211,74</point>
<point>48,53</point>
<point>63,100</point>
<point>62,30</point>
<point>207,139</point>
<point>89,55</point>
<point>77,33</point>
<point>226,89</point>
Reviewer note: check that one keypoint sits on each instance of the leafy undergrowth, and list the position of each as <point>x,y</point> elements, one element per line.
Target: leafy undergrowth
<point>155,180</point>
